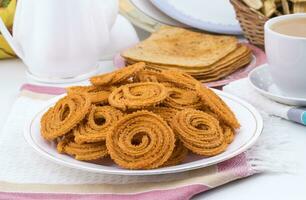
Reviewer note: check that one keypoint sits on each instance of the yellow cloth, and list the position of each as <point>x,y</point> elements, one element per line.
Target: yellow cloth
<point>7,15</point>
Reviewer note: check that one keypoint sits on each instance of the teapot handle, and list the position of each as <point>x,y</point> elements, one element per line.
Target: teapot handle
<point>9,38</point>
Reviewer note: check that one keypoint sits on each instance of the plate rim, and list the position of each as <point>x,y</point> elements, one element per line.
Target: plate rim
<point>271,95</point>
<point>203,25</point>
<point>243,148</point>
<point>134,15</point>
<point>180,24</point>
<point>142,19</point>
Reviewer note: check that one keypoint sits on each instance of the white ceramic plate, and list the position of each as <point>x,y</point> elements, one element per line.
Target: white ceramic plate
<point>262,82</point>
<point>251,127</point>
<point>145,15</point>
<point>215,16</point>
<point>149,9</point>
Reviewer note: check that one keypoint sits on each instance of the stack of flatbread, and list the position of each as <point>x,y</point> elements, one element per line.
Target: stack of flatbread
<point>204,56</point>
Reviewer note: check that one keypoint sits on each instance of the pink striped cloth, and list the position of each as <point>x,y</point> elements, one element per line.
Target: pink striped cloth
<point>197,181</point>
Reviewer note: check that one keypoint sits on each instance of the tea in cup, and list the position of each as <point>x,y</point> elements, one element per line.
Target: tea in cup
<point>285,46</point>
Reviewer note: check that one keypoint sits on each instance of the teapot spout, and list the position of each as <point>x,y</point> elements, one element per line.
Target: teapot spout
<point>10,40</point>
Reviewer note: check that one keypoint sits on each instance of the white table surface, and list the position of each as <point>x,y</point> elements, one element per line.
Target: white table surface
<point>263,186</point>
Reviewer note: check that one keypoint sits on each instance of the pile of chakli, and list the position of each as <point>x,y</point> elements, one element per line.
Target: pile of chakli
<point>204,56</point>
<point>140,118</point>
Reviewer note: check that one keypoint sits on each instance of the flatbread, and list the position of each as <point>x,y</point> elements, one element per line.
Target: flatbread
<point>240,53</point>
<point>219,73</point>
<point>224,74</point>
<point>241,63</point>
<point>182,47</point>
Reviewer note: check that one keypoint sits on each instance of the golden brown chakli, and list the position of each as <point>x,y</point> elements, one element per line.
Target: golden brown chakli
<point>141,140</point>
<point>217,106</point>
<point>143,119</point>
<point>138,95</point>
<point>96,94</point>
<point>89,151</point>
<point>200,132</point>
<point>117,77</point>
<point>98,123</point>
<point>181,98</point>
<point>178,155</point>
<point>65,115</point>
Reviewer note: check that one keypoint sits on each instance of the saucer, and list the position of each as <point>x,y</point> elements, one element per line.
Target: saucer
<point>262,82</point>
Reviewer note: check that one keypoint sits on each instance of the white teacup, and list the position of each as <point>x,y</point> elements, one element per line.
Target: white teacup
<point>286,55</point>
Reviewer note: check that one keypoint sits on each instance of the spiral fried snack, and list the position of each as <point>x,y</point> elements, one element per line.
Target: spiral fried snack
<point>147,75</point>
<point>217,106</point>
<point>141,140</point>
<point>200,132</point>
<point>96,94</point>
<point>99,122</point>
<point>178,78</point>
<point>137,95</point>
<point>90,151</point>
<point>142,118</point>
<point>166,113</point>
<point>178,155</point>
<point>181,98</point>
<point>229,134</point>
<point>175,77</point>
<point>65,115</point>
<point>117,76</point>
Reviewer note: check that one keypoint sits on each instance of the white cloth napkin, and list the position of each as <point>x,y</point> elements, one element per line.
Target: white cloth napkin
<point>244,90</point>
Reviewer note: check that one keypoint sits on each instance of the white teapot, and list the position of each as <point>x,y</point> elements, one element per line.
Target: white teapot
<point>61,39</point>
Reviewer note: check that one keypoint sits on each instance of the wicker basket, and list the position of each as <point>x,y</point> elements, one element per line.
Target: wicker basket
<point>251,22</point>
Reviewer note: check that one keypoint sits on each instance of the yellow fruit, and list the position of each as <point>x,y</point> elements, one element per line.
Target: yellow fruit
<point>7,15</point>
<point>5,49</point>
